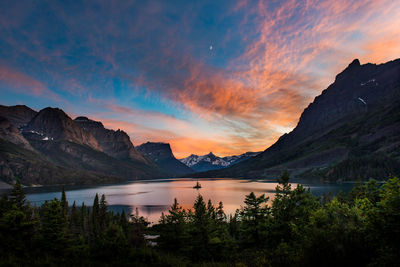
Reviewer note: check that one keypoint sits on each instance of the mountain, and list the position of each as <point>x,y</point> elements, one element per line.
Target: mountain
<point>54,124</point>
<point>351,130</point>
<point>162,155</point>
<point>18,115</point>
<point>213,162</point>
<point>52,148</point>
<point>114,143</point>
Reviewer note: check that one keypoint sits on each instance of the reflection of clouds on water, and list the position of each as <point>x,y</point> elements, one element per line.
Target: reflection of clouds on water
<point>130,194</point>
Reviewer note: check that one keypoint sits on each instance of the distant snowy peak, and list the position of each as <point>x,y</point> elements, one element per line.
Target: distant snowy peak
<point>212,162</point>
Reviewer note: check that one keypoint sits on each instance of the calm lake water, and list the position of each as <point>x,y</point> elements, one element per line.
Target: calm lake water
<point>151,198</point>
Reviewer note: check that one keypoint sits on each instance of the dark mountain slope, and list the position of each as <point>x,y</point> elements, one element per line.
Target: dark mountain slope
<point>351,130</point>
<point>18,115</point>
<point>82,157</point>
<point>34,168</point>
<point>161,154</point>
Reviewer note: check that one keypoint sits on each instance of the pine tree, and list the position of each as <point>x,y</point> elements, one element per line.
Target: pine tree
<point>210,210</point>
<point>220,214</point>
<point>123,221</point>
<point>95,224</point>
<point>75,220</point>
<point>201,229</point>
<point>83,218</point>
<point>64,202</point>
<point>53,228</point>
<point>17,195</point>
<point>253,215</point>
<point>174,228</point>
<point>103,213</point>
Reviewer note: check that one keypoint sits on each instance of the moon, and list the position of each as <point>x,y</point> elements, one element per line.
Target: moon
<point>211,47</point>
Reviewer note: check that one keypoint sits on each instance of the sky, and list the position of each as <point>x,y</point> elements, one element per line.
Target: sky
<point>221,76</point>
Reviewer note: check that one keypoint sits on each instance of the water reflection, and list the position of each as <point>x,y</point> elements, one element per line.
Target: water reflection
<point>151,198</point>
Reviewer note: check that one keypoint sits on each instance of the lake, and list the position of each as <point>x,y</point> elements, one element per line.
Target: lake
<point>151,198</point>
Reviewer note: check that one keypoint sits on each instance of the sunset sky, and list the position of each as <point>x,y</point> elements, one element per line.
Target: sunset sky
<point>221,76</point>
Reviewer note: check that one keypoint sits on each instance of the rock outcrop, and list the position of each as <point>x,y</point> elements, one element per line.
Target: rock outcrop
<point>162,155</point>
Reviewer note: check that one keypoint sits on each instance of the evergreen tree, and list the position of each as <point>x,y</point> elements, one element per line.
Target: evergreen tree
<point>64,202</point>
<point>94,219</point>
<point>17,195</point>
<point>75,220</point>
<point>220,214</point>
<point>53,230</point>
<point>83,218</point>
<point>174,234</point>
<point>103,213</point>
<point>253,216</point>
<point>200,231</point>
<point>210,210</point>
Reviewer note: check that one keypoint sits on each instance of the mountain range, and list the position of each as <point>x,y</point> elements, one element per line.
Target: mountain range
<point>350,131</point>
<point>48,147</point>
<point>213,162</point>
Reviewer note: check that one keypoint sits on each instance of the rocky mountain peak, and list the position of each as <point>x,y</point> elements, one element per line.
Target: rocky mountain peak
<point>114,143</point>
<point>355,90</point>
<point>55,124</point>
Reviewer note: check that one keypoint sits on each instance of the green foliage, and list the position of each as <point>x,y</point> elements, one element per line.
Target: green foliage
<point>17,195</point>
<point>360,228</point>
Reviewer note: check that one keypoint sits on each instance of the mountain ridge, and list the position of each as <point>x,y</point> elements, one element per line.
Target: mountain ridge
<point>52,141</point>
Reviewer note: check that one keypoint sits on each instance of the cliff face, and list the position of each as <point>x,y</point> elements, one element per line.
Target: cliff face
<point>162,155</point>
<point>356,90</point>
<point>114,143</point>
<point>54,124</point>
<point>351,130</point>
